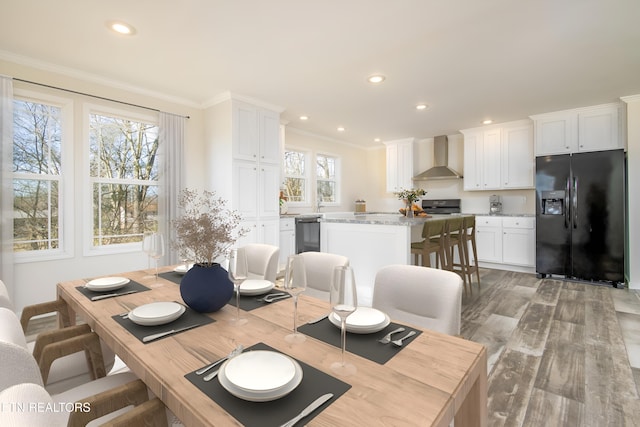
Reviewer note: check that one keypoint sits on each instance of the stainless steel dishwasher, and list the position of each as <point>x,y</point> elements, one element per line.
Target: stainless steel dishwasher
<point>307,233</point>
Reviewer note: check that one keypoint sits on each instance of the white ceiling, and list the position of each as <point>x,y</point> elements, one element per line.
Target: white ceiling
<point>468,59</point>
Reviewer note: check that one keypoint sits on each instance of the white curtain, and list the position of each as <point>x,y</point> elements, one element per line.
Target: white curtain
<point>6,186</point>
<point>171,155</point>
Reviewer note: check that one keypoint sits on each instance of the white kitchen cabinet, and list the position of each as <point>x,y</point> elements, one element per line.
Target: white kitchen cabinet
<point>594,128</point>
<point>499,157</point>
<point>400,164</point>
<point>517,157</point>
<point>489,239</point>
<point>519,241</point>
<point>287,240</point>
<point>506,240</point>
<point>243,164</point>
<point>261,231</point>
<point>256,134</point>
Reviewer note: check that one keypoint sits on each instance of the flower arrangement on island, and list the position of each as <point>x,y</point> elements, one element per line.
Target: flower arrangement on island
<point>207,229</point>
<point>409,197</point>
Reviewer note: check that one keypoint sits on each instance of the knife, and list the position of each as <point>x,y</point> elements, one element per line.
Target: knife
<point>99,297</point>
<point>308,410</point>
<point>313,321</point>
<point>152,337</point>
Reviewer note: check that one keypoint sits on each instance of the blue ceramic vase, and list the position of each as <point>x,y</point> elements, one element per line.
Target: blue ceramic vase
<point>206,288</point>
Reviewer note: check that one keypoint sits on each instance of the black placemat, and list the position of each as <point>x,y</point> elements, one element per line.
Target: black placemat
<point>365,345</point>
<point>172,276</point>
<point>190,317</point>
<point>131,286</point>
<point>250,302</point>
<point>314,384</point>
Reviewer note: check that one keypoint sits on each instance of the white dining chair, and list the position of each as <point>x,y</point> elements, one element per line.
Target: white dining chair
<point>66,371</point>
<point>319,267</point>
<point>262,261</point>
<point>422,296</point>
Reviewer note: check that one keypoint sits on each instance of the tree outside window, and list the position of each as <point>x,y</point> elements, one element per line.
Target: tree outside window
<point>326,180</point>
<point>123,171</point>
<point>296,179</point>
<point>37,174</point>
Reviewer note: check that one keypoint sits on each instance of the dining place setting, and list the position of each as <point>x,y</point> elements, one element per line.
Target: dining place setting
<point>110,287</point>
<point>262,386</point>
<point>160,319</point>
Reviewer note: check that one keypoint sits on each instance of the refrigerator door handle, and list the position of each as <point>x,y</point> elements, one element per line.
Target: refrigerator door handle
<point>575,202</point>
<point>567,210</point>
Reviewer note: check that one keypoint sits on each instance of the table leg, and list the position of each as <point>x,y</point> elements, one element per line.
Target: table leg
<point>473,411</point>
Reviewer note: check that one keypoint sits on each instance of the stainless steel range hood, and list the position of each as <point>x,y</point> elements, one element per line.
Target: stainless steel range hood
<point>440,170</point>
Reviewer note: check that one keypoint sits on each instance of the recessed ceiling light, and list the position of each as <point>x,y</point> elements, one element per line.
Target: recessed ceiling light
<point>121,28</point>
<point>376,139</point>
<point>421,107</point>
<point>341,129</point>
<point>487,122</point>
<point>376,78</point>
<point>304,117</point>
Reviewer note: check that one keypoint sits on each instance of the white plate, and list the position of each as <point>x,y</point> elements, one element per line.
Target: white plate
<point>182,268</point>
<point>260,367</point>
<point>255,287</point>
<point>156,313</point>
<point>365,320</point>
<point>106,284</point>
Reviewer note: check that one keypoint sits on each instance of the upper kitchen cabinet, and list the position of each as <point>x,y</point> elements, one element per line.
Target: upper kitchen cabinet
<point>595,128</point>
<point>499,157</point>
<point>256,134</point>
<point>517,155</point>
<point>400,164</point>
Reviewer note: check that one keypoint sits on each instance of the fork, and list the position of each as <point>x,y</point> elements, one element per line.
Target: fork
<point>398,342</point>
<point>387,338</point>
<point>270,297</point>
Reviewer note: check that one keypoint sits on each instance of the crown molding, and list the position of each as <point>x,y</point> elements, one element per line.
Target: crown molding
<point>630,98</point>
<point>92,78</point>
<point>228,95</point>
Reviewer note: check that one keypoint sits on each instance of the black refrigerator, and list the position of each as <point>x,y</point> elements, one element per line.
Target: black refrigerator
<point>580,216</point>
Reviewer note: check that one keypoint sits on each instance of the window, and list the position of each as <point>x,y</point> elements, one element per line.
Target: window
<point>326,178</point>
<point>123,173</point>
<point>37,175</point>
<point>296,176</point>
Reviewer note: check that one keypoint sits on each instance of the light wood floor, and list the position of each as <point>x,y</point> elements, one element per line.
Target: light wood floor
<point>559,353</point>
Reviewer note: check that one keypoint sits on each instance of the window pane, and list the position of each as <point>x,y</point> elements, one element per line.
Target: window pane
<point>294,163</point>
<point>122,149</point>
<point>327,191</point>
<point>36,220</point>
<point>36,138</point>
<point>326,167</point>
<point>123,212</point>
<point>295,189</point>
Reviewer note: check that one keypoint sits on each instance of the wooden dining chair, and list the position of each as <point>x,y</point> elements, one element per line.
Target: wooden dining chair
<point>421,296</point>
<point>62,366</point>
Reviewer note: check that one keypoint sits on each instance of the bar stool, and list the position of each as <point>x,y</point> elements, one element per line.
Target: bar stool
<point>453,240</point>
<point>469,244</point>
<point>433,235</point>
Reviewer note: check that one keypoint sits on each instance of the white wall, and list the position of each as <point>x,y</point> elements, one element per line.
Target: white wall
<point>35,282</point>
<point>633,200</point>
<point>353,168</point>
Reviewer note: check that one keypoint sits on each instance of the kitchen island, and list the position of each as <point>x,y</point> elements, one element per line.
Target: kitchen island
<point>371,241</point>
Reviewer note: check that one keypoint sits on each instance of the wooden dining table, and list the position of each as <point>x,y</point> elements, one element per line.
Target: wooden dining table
<point>432,380</point>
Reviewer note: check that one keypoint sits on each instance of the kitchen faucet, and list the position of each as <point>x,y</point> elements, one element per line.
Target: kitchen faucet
<point>318,204</point>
